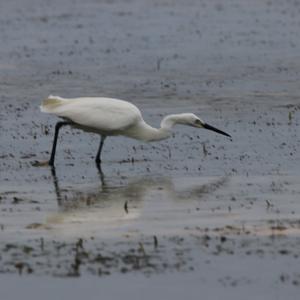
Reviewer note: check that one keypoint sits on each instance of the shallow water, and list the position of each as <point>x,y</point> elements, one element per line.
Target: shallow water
<point>197,210</point>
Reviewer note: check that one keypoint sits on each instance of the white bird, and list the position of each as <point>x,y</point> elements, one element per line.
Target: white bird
<point>111,117</point>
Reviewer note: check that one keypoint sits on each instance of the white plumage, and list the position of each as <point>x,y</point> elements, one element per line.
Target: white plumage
<point>108,116</point>
<point>102,115</point>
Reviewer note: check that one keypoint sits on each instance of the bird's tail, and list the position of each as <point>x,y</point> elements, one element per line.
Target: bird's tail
<point>51,103</point>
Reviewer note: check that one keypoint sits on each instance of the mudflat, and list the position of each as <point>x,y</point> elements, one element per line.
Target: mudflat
<point>196,215</point>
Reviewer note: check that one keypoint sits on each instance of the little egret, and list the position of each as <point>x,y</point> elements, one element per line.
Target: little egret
<point>109,117</point>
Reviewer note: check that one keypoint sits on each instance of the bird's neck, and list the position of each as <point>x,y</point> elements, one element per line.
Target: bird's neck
<point>169,121</point>
<point>151,134</point>
<point>148,133</point>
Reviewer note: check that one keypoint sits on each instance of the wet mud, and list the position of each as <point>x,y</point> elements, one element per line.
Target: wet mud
<point>198,205</point>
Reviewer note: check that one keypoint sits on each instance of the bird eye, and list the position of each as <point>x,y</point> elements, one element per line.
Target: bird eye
<point>198,122</point>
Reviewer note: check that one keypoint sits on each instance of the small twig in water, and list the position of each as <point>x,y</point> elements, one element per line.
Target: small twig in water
<point>126,207</point>
<point>142,249</point>
<point>42,244</point>
<point>269,204</point>
<point>155,241</point>
<point>204,149</point>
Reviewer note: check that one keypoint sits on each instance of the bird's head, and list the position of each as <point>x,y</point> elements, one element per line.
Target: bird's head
<point>194,121</point>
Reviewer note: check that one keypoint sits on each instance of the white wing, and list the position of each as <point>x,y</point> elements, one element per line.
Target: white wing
<point>104,114</point>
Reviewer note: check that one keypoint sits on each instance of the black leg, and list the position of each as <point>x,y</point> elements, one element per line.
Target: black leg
<point>57,127</point>
<point>98,155</point>
<point>56,185</point>
<point>101,174</point>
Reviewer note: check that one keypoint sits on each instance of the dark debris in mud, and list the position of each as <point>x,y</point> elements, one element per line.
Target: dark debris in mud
<point>150,255</point>
<point>83,256</point>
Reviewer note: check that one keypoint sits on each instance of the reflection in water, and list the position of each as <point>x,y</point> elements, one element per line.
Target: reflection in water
<point>101,206</point>
<point>80,196</point>
<point>57,186</point>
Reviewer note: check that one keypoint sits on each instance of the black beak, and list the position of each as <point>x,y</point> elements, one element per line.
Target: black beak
<point>209,127</point>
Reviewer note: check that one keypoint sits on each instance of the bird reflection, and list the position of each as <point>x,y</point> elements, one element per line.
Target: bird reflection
<point>62,199</point>
<point>82,195</point>
<point>98,194</point>
<point>116,205</point>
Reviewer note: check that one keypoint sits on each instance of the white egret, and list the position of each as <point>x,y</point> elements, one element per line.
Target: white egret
<point>111,117</point>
